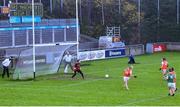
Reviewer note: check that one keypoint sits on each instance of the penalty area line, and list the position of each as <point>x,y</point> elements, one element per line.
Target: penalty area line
<point>149,99</point>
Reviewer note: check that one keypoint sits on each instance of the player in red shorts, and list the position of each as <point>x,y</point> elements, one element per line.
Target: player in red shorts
<point>126,76</point>
<point>77,69</point>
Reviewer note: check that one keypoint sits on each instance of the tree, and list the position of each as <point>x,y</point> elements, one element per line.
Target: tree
<point>129,21</point>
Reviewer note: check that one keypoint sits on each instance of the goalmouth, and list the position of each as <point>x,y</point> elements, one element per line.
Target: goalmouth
<point>48,58</point>
<point>45,58</point>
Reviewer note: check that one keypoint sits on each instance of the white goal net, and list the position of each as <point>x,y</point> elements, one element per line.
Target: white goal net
<point>47,61</point>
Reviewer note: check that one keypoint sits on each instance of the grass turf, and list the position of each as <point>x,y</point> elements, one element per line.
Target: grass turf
<point>96,90</point>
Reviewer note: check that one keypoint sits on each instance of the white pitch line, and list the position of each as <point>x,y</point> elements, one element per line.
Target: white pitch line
<point>63,86</point>
<point>150,99</point>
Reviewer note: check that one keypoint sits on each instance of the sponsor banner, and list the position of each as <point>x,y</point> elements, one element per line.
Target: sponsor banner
<point>15,19</point>
<point>48,58</point>
<point>115,53</point>
<point>91,55</point>
<point>29,19</point>
<point>24,19</point>
<point>29,61</point>
<point>159,47</point>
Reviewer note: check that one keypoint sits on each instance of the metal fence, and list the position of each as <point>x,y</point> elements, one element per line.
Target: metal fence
<point>137,49</point>
<point>47,31</point>
<point>172,46</point>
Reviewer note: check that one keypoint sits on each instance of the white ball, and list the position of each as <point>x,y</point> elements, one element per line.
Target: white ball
<point>67,27</point>
<point>106,75</point>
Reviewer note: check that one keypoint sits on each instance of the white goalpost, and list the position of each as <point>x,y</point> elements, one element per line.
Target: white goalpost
<point>77,28</point>
<point>33,34</point>
<point>46,58</point>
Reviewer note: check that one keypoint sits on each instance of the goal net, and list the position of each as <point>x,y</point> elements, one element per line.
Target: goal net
<point>47,61</point>
<point>44,56</point>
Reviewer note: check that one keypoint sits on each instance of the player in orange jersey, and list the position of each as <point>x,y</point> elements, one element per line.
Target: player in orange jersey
<point>126,76</point>
<point>164,66</point>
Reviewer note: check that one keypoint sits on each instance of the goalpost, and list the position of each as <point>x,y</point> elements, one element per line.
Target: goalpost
<point>42,59</point>
<point>47,60</point>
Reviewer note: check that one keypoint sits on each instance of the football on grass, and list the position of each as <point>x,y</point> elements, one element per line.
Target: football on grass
<point>106,75</point>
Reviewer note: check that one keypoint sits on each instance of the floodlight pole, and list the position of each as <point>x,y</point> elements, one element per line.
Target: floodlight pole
<point>77,29</point>
<point>158,12</point>
<point>139,20</point>
<point>102,11</point>
<point>34,59</point>
<point>51,6</point>
<point>177,11</point>
<point>158,19</point>
<point>4,2</point>
<point>139,12</point>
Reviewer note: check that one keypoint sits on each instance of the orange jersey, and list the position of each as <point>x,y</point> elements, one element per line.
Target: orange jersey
<point>164,65</point>
<point>127,72</point>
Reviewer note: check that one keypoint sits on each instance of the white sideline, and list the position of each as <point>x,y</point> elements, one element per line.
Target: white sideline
<point>150,99</point>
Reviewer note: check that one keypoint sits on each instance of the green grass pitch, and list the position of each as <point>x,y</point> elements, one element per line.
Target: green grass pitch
<point>149,89</point>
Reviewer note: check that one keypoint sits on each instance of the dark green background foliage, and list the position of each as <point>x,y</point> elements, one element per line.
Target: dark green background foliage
<point>91,20</point>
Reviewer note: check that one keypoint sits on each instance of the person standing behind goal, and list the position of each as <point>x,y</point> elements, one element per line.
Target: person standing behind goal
<point>6,64</point>
<point>67,59</point>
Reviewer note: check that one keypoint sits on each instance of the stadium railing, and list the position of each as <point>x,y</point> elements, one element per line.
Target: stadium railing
<point>91,51</point>
<point>137,49</point>
<point>170,46</point>
<point>47,31</point>
<point>173,46</point>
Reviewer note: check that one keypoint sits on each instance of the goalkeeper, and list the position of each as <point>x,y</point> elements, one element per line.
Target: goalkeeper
<point>67,59</point>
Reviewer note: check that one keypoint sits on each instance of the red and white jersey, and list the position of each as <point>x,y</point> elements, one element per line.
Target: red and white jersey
<point>127,72</point>
<point>164,65</point>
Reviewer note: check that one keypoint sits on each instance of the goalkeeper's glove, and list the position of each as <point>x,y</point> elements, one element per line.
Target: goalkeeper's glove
<point>159,68</point>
